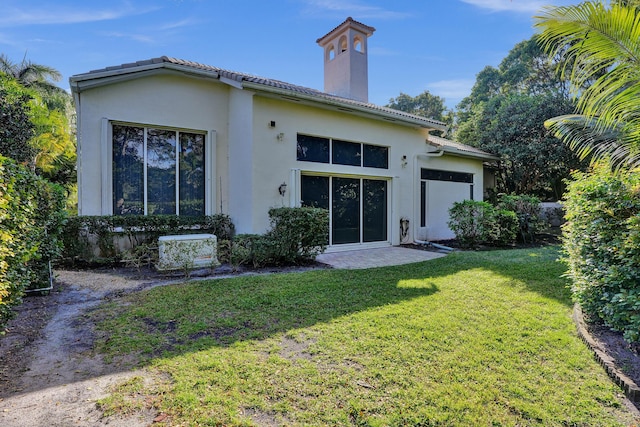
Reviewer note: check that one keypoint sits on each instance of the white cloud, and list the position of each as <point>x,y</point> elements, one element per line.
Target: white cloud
<point>523,6</point>
<point>451,89</point>
<point>16,16</point>
<point>178,24</point>
<point>143,38</point>
<point>356,9</point>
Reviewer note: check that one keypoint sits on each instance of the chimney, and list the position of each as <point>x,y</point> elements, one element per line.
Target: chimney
<point>345,60</point>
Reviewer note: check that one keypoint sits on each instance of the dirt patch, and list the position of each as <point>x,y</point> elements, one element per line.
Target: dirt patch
<point>49,373</point>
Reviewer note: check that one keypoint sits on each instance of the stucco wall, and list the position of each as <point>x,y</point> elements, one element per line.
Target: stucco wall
<point>252,158</point>
<point>403,176</point>
<point>164,100</point>
<point>441,195</point>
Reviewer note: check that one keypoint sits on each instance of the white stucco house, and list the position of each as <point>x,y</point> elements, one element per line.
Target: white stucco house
<point>169,136</point>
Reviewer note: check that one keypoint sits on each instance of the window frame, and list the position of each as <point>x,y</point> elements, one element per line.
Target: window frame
<point>331,160</point>
<point>210,137</point>
<point>363,213</point>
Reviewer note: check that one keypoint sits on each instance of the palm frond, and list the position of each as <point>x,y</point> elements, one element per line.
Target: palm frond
<point>586,137</point>
<point>602,49</point>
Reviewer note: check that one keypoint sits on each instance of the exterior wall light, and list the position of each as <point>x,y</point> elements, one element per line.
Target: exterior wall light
<point>282,189</point>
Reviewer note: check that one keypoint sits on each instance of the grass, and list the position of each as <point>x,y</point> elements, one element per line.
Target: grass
<point>475,338</point>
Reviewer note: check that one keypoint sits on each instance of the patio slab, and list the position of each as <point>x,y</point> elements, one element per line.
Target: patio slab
<point>380,257</point>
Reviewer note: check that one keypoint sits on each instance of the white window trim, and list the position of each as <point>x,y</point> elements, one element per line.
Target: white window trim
<point>106,149</point>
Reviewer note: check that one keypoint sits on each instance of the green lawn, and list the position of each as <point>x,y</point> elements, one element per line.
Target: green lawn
<point>475,338</point>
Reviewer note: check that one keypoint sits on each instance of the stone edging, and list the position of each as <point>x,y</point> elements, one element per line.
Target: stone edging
<point>630,388</point>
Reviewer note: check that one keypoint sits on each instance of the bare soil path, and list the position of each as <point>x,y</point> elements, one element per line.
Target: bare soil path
<point>49,373</point>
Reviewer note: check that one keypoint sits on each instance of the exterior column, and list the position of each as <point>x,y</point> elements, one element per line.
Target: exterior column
<point>241,160</point>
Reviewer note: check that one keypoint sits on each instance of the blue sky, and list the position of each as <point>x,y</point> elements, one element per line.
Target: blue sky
<point>434,45</point>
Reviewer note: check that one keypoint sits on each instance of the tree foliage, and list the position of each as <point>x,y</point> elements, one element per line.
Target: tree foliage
<point>35,121</point>
<point>39,78</point>
<point>601,49</point>
<point>16,127</point>
<point>504,115</point>
<point>425,105</point>
<point>31,220</point>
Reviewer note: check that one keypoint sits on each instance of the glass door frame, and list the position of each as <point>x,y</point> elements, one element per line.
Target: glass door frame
<point>361,178</point>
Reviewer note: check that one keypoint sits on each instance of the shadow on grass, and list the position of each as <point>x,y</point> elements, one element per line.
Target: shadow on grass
<point>197,315</point>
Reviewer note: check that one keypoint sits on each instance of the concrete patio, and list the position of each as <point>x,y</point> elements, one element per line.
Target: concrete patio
<point>380,257</point>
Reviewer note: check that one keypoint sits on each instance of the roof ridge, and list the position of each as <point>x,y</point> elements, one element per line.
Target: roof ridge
<point>258,80</point>
<point>366,28</point>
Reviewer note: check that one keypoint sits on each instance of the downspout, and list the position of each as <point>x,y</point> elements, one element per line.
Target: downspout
<point>434,245</point>
<point>437,153</point>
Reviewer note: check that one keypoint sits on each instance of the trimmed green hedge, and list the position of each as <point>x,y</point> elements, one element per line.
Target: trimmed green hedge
<point>31,223</point>
<point>297,235</point>
<point>602,246</point>
<point>93,239</point>
<point>475,222</point>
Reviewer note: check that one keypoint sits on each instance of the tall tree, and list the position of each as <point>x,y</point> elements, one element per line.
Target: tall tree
<point>425,105</point>
<point>39,77</point>
<point>504,114</point>
<point>16,127</point>
<point>601,47</point>
<point>42,137</point>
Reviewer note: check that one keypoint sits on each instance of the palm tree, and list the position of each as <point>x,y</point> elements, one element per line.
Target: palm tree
<point>39,78</point>
<point>601,46</point>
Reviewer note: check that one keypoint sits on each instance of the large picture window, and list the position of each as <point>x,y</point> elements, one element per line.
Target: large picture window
<point>158,171</point>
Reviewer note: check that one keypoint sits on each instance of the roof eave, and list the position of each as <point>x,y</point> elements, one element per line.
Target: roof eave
<point>95,79</point>
<point>344,106</point>
<point>469,154</point>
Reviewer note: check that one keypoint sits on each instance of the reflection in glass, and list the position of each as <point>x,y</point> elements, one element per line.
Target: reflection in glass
<point>315,191</point>
<point>375,156</point>
<point>161,172</point>
<point>128,170</point>
<point>346,153</point>
<point>191,174</point>
<point>374,210</point>
<point>312,149</point>
<point>346,210</point>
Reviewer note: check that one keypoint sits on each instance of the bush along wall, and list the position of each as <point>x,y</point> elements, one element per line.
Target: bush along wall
<point>601,242</point>
<point>477,223</point>
<point>297,235</point>
<point>32,217</point>
<point>528,210</point>
<point>110,239</point>
<point>512,217</point>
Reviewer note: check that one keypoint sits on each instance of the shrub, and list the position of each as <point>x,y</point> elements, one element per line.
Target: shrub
<point>84,233</point>
<point>256,250</point>
<point>473,222</point>
<point>297,235</point>
<point>31,219</point>
<point>601,242</point>
<point>301,233</point>
<point>528,211</point>
<point>506,227</point>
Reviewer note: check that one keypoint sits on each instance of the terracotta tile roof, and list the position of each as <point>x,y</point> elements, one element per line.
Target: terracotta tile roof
<point>364,28</point>
<point>257,83</point>
<point>456,147</point>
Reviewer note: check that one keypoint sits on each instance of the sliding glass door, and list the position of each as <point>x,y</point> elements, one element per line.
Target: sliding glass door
<point>357,206</point>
